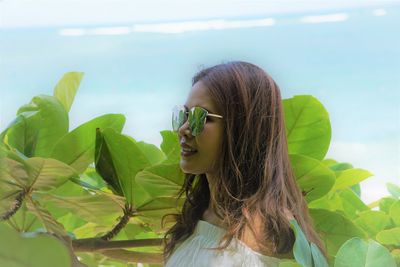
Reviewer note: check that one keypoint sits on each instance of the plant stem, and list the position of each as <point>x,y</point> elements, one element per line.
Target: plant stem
<point>128,212</point>
<point>132,256</point>
<point>97,244</point>
<point>17,204</point>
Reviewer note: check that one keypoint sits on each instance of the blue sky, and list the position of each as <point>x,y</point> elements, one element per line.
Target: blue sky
<point>363,135</point>
<point>45,13</point>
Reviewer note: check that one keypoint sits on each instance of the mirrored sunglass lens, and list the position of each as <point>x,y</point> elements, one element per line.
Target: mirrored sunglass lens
<point>197,118</point>
<point>178,117</point>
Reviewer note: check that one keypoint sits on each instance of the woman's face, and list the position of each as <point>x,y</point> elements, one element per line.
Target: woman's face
<point>207,144</point>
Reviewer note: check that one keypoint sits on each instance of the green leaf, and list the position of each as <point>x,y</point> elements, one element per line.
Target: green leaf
<point>170,146</point>
<point>163,180</point>
<point>331,201</point>
<point>68,189</point>
<point>329,162</point>
<point>351,203</point>
<point>372,221</point>
<point>37,250</point>
<point>301,248</point>
<point>70,222</point>
<point>19,177</point>
<point>356,189</point>
<point>159,182</point>
<point>77,147</point>
<point>288,263</point>
<point>152,153</point>
<point>49,223</point>
<point>396,255</point>
<point>13,182</point>
<point>334,229</point>
<point>318,258</point>
<point>123,160</point>
<point>314,178</point>
<point>38,127</point>
<point>66,88</point>
<point>395,212</point>
<point>91,180</point>
<point>101,209</point>
<point>358,253</point>
<point>105,166</point>
<point>385,204</point>
<point>90,230</point>
<point>307,126</point>
<point>341,166</point>
<point>389,237</point>
<point>47,174</point>
<point>345,201</point>
<point>393,189</point>
<point>25,221</point>
<point>350,177</point>
<point>21,135</point>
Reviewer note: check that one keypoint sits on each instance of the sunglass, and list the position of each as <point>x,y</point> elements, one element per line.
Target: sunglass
<point>196,116</point>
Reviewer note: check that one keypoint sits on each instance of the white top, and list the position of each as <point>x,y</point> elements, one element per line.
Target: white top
<point>193,253</point>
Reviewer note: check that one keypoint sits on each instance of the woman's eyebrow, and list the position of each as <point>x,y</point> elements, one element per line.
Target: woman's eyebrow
<point>206,108</point>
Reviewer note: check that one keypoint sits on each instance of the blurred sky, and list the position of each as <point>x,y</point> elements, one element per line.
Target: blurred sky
<point>37,13</point>
<point>352,68</point>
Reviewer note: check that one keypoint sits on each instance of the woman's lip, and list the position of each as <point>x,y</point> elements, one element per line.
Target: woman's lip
<point>187,153</point>
<point>186,146</point>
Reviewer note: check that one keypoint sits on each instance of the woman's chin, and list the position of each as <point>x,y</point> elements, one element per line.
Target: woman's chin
<point>187,167</point>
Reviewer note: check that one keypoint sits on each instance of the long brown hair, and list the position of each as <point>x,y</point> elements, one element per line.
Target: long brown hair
<point>255,178</point>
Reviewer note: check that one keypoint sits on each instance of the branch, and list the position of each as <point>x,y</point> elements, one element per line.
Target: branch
<point>96,244</point>
<point>17,204</point>
<point>128,213</point>
<point>132,256</point>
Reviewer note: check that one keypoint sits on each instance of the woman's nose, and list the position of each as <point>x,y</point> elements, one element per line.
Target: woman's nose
<point>184,130</point>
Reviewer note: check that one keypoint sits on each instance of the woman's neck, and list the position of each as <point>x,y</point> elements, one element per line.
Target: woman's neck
<point>209,214</point>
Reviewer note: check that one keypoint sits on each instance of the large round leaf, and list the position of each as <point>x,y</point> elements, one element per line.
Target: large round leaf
<point>39,250</point>
<point>358,253</point>
<point>372,221</point>
<point>334,228</point>
<point>346,201</point>
<point>389,237</point>
<point>156,192</point>
<point>118,160</point>
<point>164,180</point>
<point>385,203</point>
<point>48,174</point>
<point>395,212</point>
<point>170,146</point>
<point>66,88</point>
<point>350,177</point>
<point>77,147</point>
<point>308,127</point>
<point>313,177</point>
<point>98,208</point>
<point>289,263</point>
<point>19,176</point>
<point>153,153</point>
<point>38,127</point>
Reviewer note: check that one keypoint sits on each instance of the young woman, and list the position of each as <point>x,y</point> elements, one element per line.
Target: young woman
<point>239,186</point>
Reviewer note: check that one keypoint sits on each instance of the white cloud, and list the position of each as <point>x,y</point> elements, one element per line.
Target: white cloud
<point>175,27</point>
<point>180,27</point>
<point>337,17</point>
<point>379,12</point>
